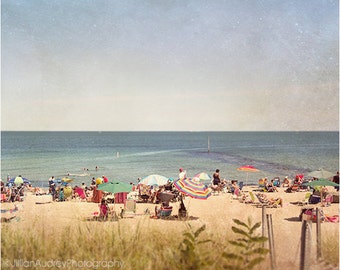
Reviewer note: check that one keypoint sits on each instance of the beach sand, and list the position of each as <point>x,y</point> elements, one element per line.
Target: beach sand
<point>217,212</point>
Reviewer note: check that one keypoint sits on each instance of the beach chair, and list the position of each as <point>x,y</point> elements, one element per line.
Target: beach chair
<point>164,212</point>
<point>144,192</point>
<point>261,185</point>
<point>241,185</point>
<point>165,197</point>
<point>252,197</point>
<point>129,209</point>
<point>237,193</point>
<point>295,188</point>
<point>248,198</point>
<point>264,201</point>
<point>327,201</point>
<point>277,182</point>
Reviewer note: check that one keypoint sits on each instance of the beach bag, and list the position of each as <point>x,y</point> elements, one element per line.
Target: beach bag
<point>314,199</point>
<point>310,214</point>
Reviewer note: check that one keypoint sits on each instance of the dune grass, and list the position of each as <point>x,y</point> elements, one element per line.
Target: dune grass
<point>114,245</point>
<point>330,250</point>
<point>102,244</point>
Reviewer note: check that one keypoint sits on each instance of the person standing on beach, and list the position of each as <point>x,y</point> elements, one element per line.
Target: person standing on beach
<point>336,180</point>
<point>216,181</point>
<point>216,178</point>
<point>182,174</point>
<point>52,187</point>
<point>51,181</point>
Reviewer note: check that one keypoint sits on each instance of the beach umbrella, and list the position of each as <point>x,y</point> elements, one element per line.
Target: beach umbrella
<point>105,179</point>
<point>154,180</point>
<point>99,181</point>
<point>321,174</point>
<point>115,187</point>
<point>67,179</point>
<point>203,176</point>
<point>321,182</point>
<point>67,192</point>
<point>19,180</point>
<point>193,188</point>
<point>248,169</point>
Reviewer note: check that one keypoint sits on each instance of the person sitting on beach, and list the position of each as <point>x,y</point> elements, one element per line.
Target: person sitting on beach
<point>286,182</point>
<point>298,180</point>
<point>83,186</point>
<point>270,186</point>
<point>233,186</point>
<point>61,195</point>
<point>169,185</point>
<point>103,210</point>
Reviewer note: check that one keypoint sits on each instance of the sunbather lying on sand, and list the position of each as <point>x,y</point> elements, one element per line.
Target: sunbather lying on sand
<point>264,199</point>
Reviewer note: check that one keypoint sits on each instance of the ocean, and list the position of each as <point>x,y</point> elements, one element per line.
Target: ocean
<point>126,156</point>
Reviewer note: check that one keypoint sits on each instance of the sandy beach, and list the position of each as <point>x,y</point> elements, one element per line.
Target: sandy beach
<point>217,213</point>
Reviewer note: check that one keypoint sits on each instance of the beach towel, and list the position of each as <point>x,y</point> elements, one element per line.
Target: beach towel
<point>80,192</point>
<point>9,210</point>
<point>333,219</point>
<point>121,197</point>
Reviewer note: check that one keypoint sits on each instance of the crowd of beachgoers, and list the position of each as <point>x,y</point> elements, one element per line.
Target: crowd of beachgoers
<point>62,190</point>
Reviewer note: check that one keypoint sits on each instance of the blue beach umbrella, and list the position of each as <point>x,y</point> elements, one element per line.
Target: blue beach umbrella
<point>19,180</point>
<point>154,180</point>
<point>203,176</point>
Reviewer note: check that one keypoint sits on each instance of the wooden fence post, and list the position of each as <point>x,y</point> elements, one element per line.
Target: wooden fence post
<point>271,242</point>
<point>264,226</point>
<point>318,233</point>
<point>306,244</point>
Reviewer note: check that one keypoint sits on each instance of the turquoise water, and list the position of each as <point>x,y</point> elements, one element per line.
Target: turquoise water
<point>125,156</point>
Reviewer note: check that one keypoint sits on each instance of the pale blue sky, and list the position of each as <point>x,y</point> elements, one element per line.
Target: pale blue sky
<point>170,65</point>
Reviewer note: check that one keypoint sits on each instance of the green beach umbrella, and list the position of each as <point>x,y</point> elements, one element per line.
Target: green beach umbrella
<point>115,187</point>
<point>321,182</point>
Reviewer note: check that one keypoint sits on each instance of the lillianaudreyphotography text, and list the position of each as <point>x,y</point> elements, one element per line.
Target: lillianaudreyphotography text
<point>67,264</point>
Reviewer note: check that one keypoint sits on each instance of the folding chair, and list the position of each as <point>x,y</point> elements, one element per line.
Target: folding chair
<point>129,209</point>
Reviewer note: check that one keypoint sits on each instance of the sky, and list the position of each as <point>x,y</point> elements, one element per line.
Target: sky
<point>170,65</point>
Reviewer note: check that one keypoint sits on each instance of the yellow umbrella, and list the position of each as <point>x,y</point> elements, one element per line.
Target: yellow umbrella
<point>67,179</point>
<point>99,181</point>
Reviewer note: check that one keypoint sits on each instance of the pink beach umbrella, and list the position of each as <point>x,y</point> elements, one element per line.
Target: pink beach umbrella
<point>248,169</point>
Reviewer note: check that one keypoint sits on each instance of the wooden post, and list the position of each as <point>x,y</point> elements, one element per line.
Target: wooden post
<point>318,233</point>
<point>264,226</point>
<point>271,242</point>
<point>208,144</point>
<point>306,244</point>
